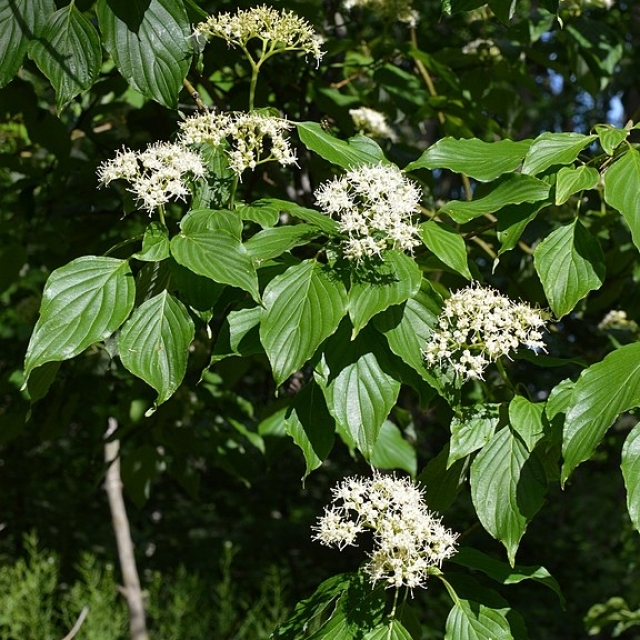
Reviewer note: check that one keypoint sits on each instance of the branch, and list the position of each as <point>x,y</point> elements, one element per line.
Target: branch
<point>113,487</point>
<point>78,624</point>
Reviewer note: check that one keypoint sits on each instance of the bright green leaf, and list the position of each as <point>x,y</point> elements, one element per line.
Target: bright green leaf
<point>482,161</point>
<point>631,474</point>
<point>346,154</point>
<point>526,419</point>
<point>154,343</point>
<point>515,189</point>
<point>601,393</point>
<point>391,283</point>
<point>83,302</point>
<point>68,53</point>
<point>610,138</point>
<point>319,220</point>
<point>571,181</point>
<point>472,429</point>
<point>392,630</point>
<point>273,242</point>
<point>570,263</point>
<point>475,621</point>
<point>551,149</point>
<point>212,219</point>
<point>155,243</point>
<point>392,451</point>
<point>447,245</point>
<point>261,212</point>
<point>217,255</point>
<point>303,306</point>
<point>621,188</point>
<point>149,41</point>
<point>508,484</point>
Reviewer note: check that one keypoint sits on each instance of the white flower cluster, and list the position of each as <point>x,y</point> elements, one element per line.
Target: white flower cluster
<point>278,30</point>
<point>408,538</point>
<point>253,138</point>
<point>477,326</point>
<point>617,319</point>
<point>156,175</point>
<point>372,122</point>
<point>373,205</point>
<point>388,9</point>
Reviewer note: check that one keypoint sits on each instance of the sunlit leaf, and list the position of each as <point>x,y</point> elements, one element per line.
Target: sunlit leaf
<point>550,149</point>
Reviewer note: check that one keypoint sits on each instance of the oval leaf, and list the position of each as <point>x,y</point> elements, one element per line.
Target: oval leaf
<point>513,190</point>
<point>154,343</point>
<point>472,429</point>
<point>216,254</point>
<point>303,307</point>
<point>601,394</point>
<point>571,181</point>
<point>610,138</point>
<point>392,282</point>
<point>631,474</point>
<point>551,149</point>
<point>392,451</point>
<point>83,302</point>
<point>149,42</point>
<point>475,621</point>
<point>570,263</point>
<point>447,245</point>
<point>507,488</point>
<point>155,244</point>
<point>482,161</point>
<point>68,53</point>
<point>273,242</point>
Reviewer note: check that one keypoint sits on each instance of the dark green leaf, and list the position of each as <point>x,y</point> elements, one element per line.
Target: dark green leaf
<point>392,451</point>
<point>551,149</point>
<point>504,9</point>
<point>472,429</point>
<point>303,307</point>
<point>508,484</point>
<point>236,337</point>
<point>349,154</point>
<point>571,181</point>
<point>154,343</point>
<point>515,189</point>
<point>392,282</point>
<point>447,245</point>
<point>149,42</point>
<point>198,292</point>
<point>83,302</point>
<point>601,394</point>
<point>392,630</point>
<point>621,188</point>
<point>212,219</point>
<point>570,263</point>
<point>513,220</point>
<point>273,242</point>
<point>483,161</point>
<point>441,484</point>
<point>68,53</point>
<point>631,474</point>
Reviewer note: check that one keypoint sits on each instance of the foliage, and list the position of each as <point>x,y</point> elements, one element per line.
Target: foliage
<point>262,300</point>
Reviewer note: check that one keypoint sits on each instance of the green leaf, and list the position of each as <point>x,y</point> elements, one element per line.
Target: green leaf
<point>601,393</point>
<point>154,343</point>
<point>570,263</point>
<point>482,161</point>
<point>514,189</point>
<point>621,188</point>
<point>349,154</point>
<point>319,220</point>
<point>631,474</point>
<point>475,621</point>
<point>526,419</point>
<point>273,242</point>
<point>303,307</point>
<point>198,292</point>
<point>20,21</point>
<point>409,326</point>
<point>571,181</point>
<point>441,483</point>
<point>68,53</point>
<point>216,254</point>
<point>149,42</point>
<point>236,337</point>
<point>41,379</point>
<point>83,302</point>
<point>391,630</point>
<point>359,392</point>
<point>450,7</point>
<point>512,222</point>
<point>392,451</point>
<point>212,220</point>
<point>472,429</point>
<point>551,149</point>
<point>447,245</point>
<point>610,138</point>
<point>392,282</point>
<point>504,9</point>
<point>155,244</point>
<point>261,212</point>
<point>502,572</point>
<point>508,484</point>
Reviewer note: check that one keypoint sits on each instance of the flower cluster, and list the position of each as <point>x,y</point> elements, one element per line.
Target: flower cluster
<point>278,30</point>
<point>253,138</point>
<point>388,9</point>
<point>477,326</point>
<point>372,122</point>
<point>617,319</point>
<point>373,205</point>
<point>408,538</point>
<point>156,175</point>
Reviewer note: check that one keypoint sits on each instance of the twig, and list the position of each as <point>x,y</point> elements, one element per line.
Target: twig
<point>78,624</point>
<point>113,487</point>
<point>195,96</point>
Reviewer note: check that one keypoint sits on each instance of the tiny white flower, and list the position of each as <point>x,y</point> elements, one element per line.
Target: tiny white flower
<point>372,122</point>
<point>400,10</point>
<point>617,319</point>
